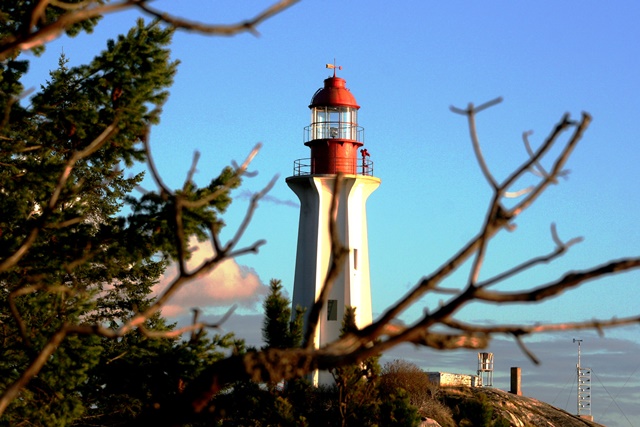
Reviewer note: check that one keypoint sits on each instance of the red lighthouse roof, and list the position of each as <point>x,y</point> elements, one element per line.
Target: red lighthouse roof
<point>334,94</point>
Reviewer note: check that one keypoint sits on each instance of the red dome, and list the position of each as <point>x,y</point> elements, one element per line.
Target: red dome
<point>333,94</point>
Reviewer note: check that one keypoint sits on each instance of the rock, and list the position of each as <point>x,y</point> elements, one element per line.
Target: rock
<point>520,411</point>
<point>428,422</point>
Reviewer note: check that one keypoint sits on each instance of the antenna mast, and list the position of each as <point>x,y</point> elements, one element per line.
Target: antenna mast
<point>584,387</point>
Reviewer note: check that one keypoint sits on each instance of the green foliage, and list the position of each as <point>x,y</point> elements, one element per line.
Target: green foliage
<point>96,250</point>
<point>15,18</point>
<point>51,398</point>
<point>501,422</point>
<point>136,372</point>
<point>396,410</point>
<point>421,392</point>
<point>355,399</point>
<point>477,412</point>
<point>67,116</point>
<point>357,384</point>
<point>249,404</point>
<point>279,329</point>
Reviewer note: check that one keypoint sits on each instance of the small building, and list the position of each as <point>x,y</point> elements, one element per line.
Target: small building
<point>446,379</point>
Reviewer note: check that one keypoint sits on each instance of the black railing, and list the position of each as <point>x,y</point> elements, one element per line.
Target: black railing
<point>360,166</point>
<point>333,130</point>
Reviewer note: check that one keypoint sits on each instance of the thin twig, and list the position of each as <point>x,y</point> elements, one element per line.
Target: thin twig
<point>490,228</point>
<point>164,189</point>
<point>28,38</point>
<point>219,30</point>
<point>192,170</point>
<point>568,281</point>
<point>253,205</point>
<point>471,112</point>
<point>11,392</point>
<point>239,172</point>
<point>560,249</point>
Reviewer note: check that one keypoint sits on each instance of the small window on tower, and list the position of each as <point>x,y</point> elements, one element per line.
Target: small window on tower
<point>355,259</point>
<point>332,309</point>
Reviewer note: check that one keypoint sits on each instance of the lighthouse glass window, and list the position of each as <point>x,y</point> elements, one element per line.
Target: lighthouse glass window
<point>334,122</point>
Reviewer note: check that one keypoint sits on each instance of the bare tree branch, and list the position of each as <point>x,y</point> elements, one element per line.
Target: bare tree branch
<point>138,320</point>
<point>195,326</point>
<point>471,112</point>
<point>192,170</point>
<point>239,171</point>
<point>219,30</point>
<point>11,392</point>
<point>560,249</point>
<point>30,37</point>
<point>273,365</point>
<point>570,280</point>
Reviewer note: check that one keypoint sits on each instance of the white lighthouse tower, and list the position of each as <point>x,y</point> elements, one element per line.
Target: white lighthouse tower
<point>335,140</point>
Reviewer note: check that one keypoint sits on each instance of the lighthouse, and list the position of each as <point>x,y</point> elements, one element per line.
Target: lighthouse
<point>336,143</point>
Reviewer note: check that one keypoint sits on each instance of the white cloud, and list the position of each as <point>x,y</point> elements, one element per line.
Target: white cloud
<point>228,284</point>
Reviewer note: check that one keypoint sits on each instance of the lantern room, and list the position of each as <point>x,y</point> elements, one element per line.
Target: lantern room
<point>334,137</point>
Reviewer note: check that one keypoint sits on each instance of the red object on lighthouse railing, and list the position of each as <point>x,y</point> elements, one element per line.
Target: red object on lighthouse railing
<point>334,136</point>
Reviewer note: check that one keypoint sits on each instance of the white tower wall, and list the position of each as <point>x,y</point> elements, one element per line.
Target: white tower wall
<point>352,287</point>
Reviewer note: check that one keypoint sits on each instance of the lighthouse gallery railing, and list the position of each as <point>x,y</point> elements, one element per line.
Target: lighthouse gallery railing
<point>360,166</point>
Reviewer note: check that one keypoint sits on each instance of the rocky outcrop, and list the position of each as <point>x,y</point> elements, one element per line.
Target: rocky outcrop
<point>520,411</point>
<point>428,422</point>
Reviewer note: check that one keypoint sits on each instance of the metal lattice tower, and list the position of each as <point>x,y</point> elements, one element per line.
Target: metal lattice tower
<point>584,386</point>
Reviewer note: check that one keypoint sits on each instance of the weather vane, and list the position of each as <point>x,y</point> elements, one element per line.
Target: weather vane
<point>334,67</point>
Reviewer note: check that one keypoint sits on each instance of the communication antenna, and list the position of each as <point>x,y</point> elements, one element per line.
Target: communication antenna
<point>584,386</point>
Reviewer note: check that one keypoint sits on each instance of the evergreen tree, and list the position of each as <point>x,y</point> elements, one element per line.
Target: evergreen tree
<point>279,329</point>
<point>136,372</point>
<point>250,404</point>
<point>94,250</point>
<point>396,410</point>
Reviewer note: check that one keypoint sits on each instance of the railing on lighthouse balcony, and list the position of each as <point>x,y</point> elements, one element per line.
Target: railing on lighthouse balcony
<point>330,161</point>
<point>361,166</point>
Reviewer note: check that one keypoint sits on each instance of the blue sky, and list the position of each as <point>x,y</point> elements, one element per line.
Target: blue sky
<point>407,63</point>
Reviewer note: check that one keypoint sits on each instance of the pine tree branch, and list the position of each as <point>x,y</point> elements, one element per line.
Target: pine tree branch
<point>248,25</point>
<point>63,178</point>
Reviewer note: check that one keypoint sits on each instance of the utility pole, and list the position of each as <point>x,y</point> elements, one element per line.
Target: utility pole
<point>584,386</point>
